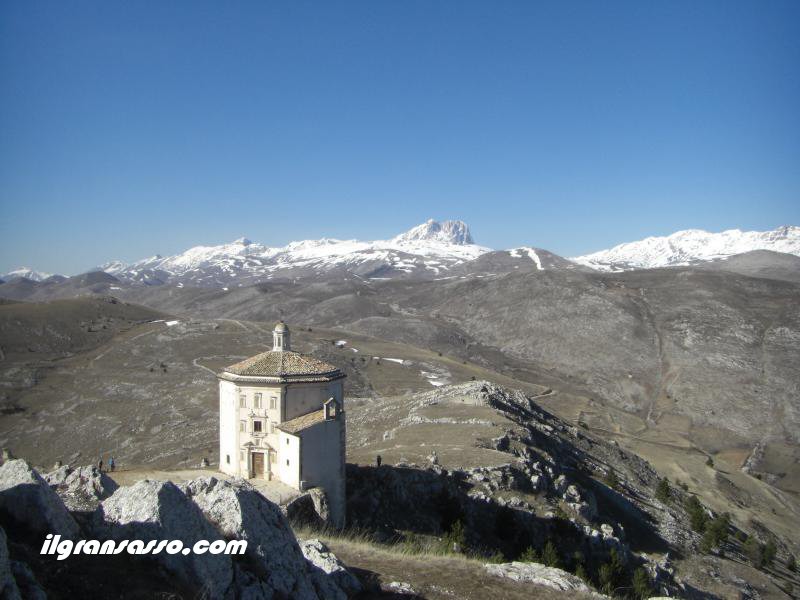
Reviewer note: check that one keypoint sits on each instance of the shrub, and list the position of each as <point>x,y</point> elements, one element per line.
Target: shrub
<point>455,539</point>
<point>662,490</point>
<point>754,552</point>
<point>611,479</point>
<point>580,571</point>
<point>641,584</point>
<point>529,555</point>
<point>769,553</point>
<point>550,555</point>
<point>697,514</point>
<point>791,563</point>
<point>716,533</point>
<point>709,462</point>
<point>605,576</point>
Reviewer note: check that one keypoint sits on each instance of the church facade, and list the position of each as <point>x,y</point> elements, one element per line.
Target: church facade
<point>281,417</point>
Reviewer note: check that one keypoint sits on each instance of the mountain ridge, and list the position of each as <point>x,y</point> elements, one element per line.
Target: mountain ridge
<point>429,250</point>
<point>691,246</point>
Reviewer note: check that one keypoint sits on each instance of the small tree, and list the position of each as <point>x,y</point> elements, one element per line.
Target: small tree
<point>580,571</point>
<point>529,555</point>
<point>641,584</point>
<point>754,552</point>
<point>662,490</point>
<point>709,462</point>
<point>550,555</point>
<point>791,563</point>
<point>697,514</point>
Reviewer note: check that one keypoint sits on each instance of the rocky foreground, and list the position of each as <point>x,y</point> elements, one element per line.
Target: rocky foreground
<point>83,503</point>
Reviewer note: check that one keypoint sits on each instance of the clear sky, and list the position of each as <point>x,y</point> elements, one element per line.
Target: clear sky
<point>134,128</point>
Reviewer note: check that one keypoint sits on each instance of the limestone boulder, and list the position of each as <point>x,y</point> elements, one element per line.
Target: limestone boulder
<point>538,574</point>
<point>331,577</point>
<point>158,510</point>
<point>311,509</point>
<point>27,499</point>
<point>81,488</point>
<point>239,511</point>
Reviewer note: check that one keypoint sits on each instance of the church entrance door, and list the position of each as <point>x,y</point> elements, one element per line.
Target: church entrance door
<point>258,464</point>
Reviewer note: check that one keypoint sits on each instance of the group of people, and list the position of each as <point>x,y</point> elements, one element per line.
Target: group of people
<point>111,464</point>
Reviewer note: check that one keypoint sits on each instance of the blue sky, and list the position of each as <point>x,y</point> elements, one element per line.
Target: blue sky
<point>131,128</point>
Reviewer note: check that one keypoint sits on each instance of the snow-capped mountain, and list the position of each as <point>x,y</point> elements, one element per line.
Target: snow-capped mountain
<point>691,246</point>
<point>424,251</point>
<point>25,272</point>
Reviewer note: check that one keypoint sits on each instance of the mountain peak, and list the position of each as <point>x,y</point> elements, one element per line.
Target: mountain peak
<point>243,241</point>
<point>25,273</point>
<point>447,232</point>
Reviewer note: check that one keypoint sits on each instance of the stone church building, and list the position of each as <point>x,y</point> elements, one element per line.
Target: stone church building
<point>281,417</point>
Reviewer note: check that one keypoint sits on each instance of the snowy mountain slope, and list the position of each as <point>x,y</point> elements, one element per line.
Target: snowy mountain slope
<point>424,251</point>
<point>25,272</point>
<point>690,247</point>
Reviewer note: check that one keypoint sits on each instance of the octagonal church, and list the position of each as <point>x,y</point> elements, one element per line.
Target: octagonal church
<point>281,417</point>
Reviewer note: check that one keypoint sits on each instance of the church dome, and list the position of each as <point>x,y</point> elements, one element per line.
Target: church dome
<point>281,326</point>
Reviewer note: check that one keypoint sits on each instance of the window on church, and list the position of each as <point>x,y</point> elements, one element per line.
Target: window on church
<point>242,426</point>
<point>256,426</point>
<point>287,441</point>
<point>257,401</point>
<point>273,402</point>
<point>287,462</point>
<point>228,458</point>
<point>242,401</point>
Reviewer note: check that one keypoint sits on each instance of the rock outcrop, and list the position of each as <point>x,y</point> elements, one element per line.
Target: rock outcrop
<point>158,510</point>
<point>310,509</point>
<point>538,574</point>
<point>331,578</point>
<point>239,511</point>
<point>27,499</point>
<point>81,488</point>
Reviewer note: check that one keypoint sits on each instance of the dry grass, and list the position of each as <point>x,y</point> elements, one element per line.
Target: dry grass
<point>430,569</point>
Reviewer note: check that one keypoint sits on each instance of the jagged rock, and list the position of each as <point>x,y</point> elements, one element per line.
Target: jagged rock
<point>327,569</point>
<point>27,499</point>
<point>82,488</point>
<point>239,511</point>
<point>8,585</point>
<point>310,508</point>
<point>159,510</point>
<point>539,575</point>
<point>399,587</point>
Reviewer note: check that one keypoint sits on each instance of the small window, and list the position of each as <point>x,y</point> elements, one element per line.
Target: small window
<point>257,401</point>
<point>287,462</point>
<point>228,458</point>
<point>287,441</point>
<point>242,426</point>
<point>242,401</point>
<point>256,426</point>
<point>273,402</point>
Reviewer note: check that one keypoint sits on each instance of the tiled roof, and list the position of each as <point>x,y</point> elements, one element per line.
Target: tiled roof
<point>303,422</point>
<point>283,364</point>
